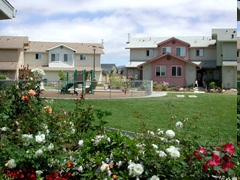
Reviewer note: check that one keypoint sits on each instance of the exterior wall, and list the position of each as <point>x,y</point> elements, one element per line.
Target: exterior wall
<point>219,53</point>
<point>228,73</point>
<point>30,58</point>
<point>208,54</point>
<point>147,72</point>
<point>9,55</point>
<point>141,54</point>
<point>173,47</point>
<point>229,51</point>
<point>88,62</point>
<point>61,62</point>
<point>190,74</point>
<point>180,81</point>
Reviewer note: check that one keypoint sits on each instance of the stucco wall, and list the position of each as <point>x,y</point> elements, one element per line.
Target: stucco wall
<point>174,44</point>
<point>190,74</point>
<point>172,80</point>
<point>228,73</point>
<point>30,58</point>
<point>88,62</point>
<point>9,55</point>
<point>147,72</point>
<point>141,54</point>
<point>229,51</point>
<point>208,54</point>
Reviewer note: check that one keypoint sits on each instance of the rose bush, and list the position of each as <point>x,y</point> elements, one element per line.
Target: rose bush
<point>40,142</point>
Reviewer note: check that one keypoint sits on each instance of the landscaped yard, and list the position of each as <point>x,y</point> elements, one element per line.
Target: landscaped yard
<point>215,114</point>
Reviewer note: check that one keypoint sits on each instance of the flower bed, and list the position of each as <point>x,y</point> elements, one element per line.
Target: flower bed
<point>40,142</point>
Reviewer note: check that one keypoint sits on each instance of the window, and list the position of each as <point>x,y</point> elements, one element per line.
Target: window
<point>180,51</point>
<point>150,52</point>
<point>237,53</point>
<point>67,57</point>
<point>166,50</point>
<point>54,57</point>
<point>176,71</point>
<point>161,71</point>
<point>82,57</point>
<point>38,56</point>
<point>199,52</point>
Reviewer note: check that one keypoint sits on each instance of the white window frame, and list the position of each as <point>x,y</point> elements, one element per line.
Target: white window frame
<point>166,50</point>
<point>182,51</point>
<point>177,72</point>
<point>54,57</point>
<point>67,57</point>
<point>199,52</point>
<point>149,52</point>
<point>82,57</point>
<point>160,71</point>
<point>38,56</point>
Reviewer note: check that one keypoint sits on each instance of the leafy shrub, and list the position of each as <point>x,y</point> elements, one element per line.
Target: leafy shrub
<point>40,142</point>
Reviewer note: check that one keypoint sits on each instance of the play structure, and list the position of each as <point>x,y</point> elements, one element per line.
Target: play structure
<point>79,77</point>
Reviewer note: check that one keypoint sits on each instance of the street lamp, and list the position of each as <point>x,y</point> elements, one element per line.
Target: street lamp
<point>94,54</point>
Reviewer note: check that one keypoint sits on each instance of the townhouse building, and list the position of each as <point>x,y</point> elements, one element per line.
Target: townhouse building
<point>17,51</point>
<point>182,60</point>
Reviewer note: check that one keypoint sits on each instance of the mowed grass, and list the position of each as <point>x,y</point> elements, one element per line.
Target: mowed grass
<point>215,113</point>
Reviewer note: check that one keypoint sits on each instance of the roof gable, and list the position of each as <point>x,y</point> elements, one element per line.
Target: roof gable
<point>61,46</point>
<point>167,56</point>
<point>173,40</point>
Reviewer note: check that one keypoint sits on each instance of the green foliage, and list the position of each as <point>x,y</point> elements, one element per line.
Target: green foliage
<point>40,141</point>
<point>62,76</point>
<point>3,76</point>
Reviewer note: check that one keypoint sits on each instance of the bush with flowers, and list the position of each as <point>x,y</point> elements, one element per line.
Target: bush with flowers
<point>40,142</point>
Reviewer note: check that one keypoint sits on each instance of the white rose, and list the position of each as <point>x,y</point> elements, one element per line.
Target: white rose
<point>154,177</point>
<point>11,164</point>
<point>4,129</point>
<point>155,146</point>
<point>80,143</point>
<point>161,154</point>
<point>40,138</point>
<point>170,134</point>
<point>173,152</point>
<point>39,152</point>
<point>50,147</point>
<point>179,125</point>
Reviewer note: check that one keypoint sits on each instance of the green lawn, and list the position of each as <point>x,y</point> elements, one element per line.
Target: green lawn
<point>216,113</point>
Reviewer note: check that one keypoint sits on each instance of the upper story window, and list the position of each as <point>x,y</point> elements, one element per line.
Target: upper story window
<point>150,52</point>
<point>54,57</point>
<point>38,56</point>
<point>166,50</point>
<point>199,52</point>
<point>176,71</point>
<point>237,53</point>
<point>67,57</point>
<point>82,57</point>
<point>180,51</point>
<point>160,70</point>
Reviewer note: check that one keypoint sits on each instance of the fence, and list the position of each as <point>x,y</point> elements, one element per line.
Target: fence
<point>91,90</point>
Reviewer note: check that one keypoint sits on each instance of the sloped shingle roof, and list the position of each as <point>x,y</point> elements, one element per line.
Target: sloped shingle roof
<point>12,42</point>
<point>152,42</point>
<point>85,48</point>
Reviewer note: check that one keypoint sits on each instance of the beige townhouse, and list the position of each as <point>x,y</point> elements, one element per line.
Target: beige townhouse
<point>17,51</point>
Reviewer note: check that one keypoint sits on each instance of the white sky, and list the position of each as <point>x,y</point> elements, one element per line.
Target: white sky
<point>92,21</point>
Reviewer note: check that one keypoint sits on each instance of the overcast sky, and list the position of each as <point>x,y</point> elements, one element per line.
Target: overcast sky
<point>110,21</point>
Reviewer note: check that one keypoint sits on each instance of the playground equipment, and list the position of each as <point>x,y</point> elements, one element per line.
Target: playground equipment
<point>79,77</point>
